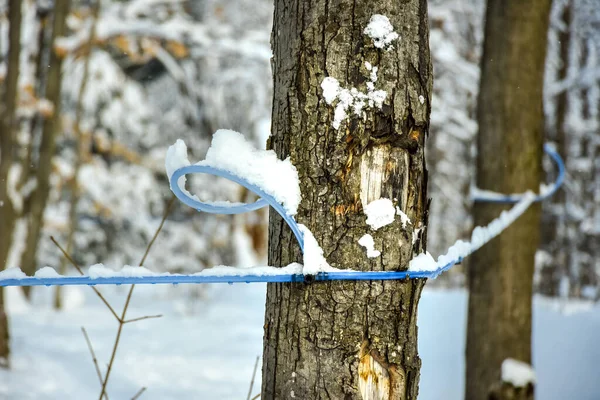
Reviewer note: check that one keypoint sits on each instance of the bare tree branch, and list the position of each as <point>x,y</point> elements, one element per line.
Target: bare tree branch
<point>139,393</point>
<point>68,257</point>
<point>126,306</point>
<point>252,380</point>
<point>94,359</point>
<point>142,318</point>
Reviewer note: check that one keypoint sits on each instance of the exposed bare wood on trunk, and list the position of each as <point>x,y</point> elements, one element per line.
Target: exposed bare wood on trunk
<point>510,117</point>
<point>50,129</point>
<point>7,133</point>
<point>348,340</point>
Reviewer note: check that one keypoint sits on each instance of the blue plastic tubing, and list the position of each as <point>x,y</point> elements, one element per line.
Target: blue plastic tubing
<point>176,279</point>
<point>515,198</point>
<point>264,200</point>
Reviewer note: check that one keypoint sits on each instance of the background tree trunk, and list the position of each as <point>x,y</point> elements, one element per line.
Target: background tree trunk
<point>50,129</point>
<point>8,125</point>
<point>554,215</point>
<point>510,117</point>
<point>82,146</point>
<point>348,340</point>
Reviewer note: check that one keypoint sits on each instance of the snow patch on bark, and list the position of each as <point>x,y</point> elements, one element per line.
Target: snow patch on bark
<point>517,373</point>
<point>369,244</point>
<point>381,31</point>
<point>380,213</point>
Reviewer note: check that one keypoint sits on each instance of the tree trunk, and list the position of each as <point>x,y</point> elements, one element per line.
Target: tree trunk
<point>507,391</point>
<point>82,145</point>
<point>50,128</point>
<point>510,117</point>
<point>554,215</point>
<point>348,340</point>
<point>7,132</point>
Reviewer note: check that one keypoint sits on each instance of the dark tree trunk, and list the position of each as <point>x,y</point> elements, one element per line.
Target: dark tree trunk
<point>510,117</point>
<point>555,211</point>
<point>50,129</point>
<point>8,125</point>
<point>348,340</point>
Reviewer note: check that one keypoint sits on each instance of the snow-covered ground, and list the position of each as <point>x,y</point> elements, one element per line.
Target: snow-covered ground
<point>206,348</point>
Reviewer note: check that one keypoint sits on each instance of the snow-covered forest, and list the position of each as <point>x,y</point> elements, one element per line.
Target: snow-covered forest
<point>101,98</point>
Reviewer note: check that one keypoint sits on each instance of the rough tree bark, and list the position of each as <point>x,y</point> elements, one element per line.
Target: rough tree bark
<point>7,133</point>
<point>510,116</point>
<point>348,340</point>
<point>50,128</point>
<point>555,211</point>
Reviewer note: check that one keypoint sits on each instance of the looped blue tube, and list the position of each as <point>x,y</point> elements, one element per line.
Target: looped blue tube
<point>515,198</point>
<point>265,199</point>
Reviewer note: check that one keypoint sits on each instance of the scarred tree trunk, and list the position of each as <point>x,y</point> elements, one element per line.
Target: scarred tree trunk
<point>348,340</point>
<point>510,117</point>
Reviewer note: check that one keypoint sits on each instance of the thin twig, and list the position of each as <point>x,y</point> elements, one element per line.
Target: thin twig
<point>126,306</point>
<point>142,318</point>
<point>253,376</point>
<point>139,393</point>
<point>256,397</point>
<point>162,222</point>
<point>68,257</point>
<point>94,359</point>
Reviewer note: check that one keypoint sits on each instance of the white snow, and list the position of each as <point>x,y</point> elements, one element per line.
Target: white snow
<point>12,273</point>
<point>206,348</point>
<point>422,262</point>
<point>380,212</point>
<point>381,31</point>
<point>222,270</point>
<point>278,178</point>
<point>331,88</point>
<point>416,235</point>
<point>483,234</point>
<point>352,98</point>
<point>373,75</point>
<point>314,260</point>
<point>517,373</point>
<point>367,241</point>
<point>403,217</point>
<point>46,272</point>
<point>177,158</point>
